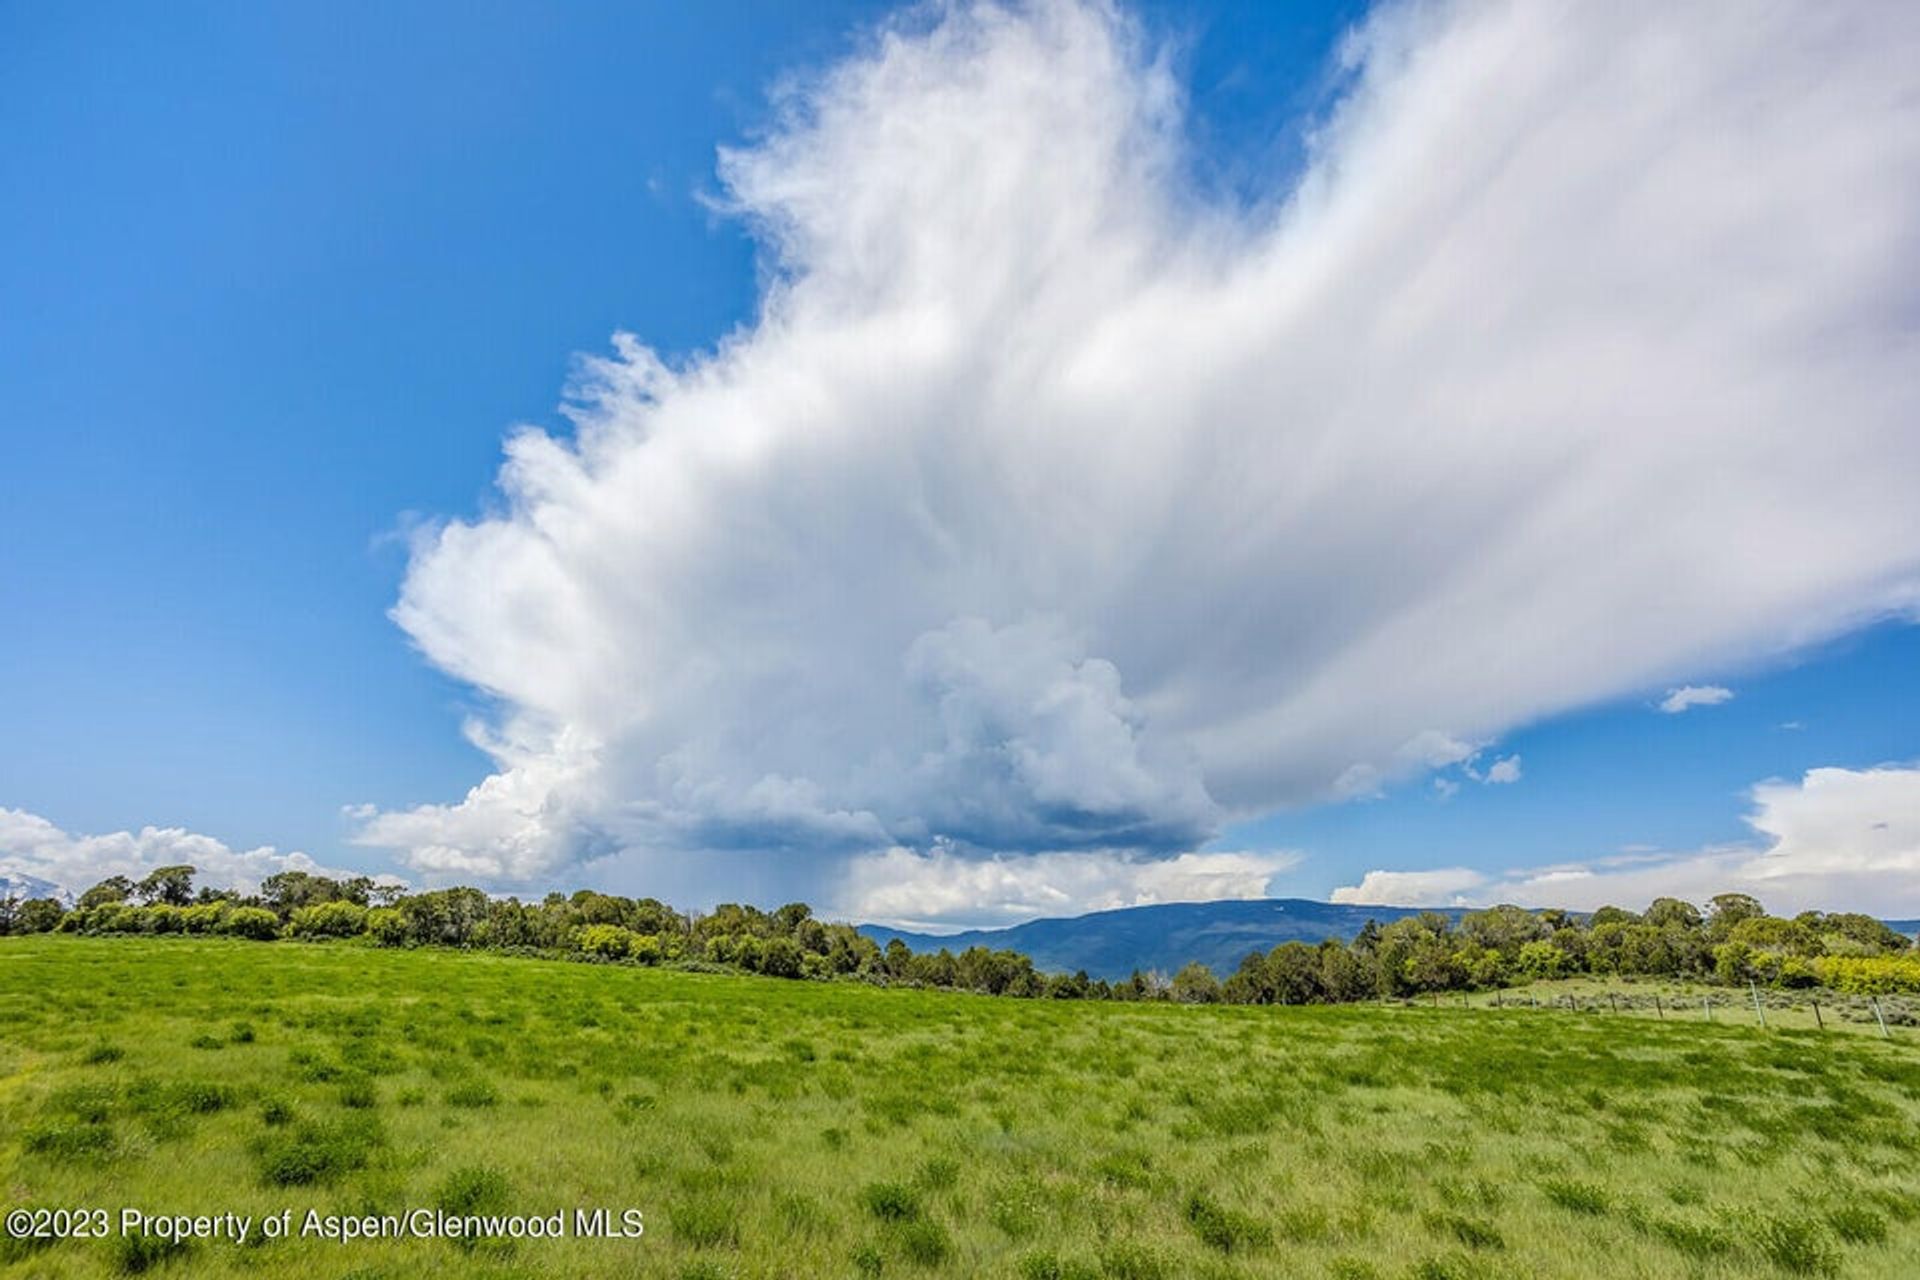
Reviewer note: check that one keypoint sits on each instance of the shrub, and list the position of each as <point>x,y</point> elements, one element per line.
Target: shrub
<point>388,927</point>
<point>938,1173</point>
<point>1475,1233</point>
<point>1857,1225</point>
<point>163,918</point>
<point>1695,1239</point>
<point>780,958</point>
<point>1130,1261</point>
<point>198,1097</point>
<point>607,941</point>
<point>316,1153</point>
<point>1580,1197</point>
<point>137,1251</point>
<point>704,1221</point>
<point>69,1141</point>
<point>257,923</point>
<point>891,1201</point>
<point>204,917</point>
<point>472,1093</point>
<point>925,1242</point>
<point>1040,1266</point>
<point>358,1094</point>
<point>474,1189</point>
<point>1870,975</point>
<point>1795,1244</point>
<point>1225,1229</point>
<point>1047,1265</point>
<point>338,919</point>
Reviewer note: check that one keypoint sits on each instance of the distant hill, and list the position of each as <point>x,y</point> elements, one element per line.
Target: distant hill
<point>1112,944</point>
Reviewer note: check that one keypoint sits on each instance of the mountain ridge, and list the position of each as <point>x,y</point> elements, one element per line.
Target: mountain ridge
<point>1164,936</point>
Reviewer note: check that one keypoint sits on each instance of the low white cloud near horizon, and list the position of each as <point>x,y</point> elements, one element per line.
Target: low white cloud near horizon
<point>1047,511</point>
<point>32,847</point>
<point>1836,839</point>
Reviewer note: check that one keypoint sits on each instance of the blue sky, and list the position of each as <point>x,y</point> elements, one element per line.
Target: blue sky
<point>1624,774</point>
<point>279,279</point>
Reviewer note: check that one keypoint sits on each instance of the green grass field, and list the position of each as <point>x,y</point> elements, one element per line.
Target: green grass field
<point>769,1128</point>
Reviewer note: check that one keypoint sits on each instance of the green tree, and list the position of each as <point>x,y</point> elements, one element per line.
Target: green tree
<point>1544,959</point>
<point>1726,910</point>
<point>1195,984</point>
<point>780,958</point>
<point>38,915</point>
<point>1666,913</point>
<point>1294,974</point>
<point>1251,983</point>
<point>172,886</point>
<point>112,889</point>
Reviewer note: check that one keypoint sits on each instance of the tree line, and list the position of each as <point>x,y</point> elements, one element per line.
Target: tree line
<point>1733,941</point>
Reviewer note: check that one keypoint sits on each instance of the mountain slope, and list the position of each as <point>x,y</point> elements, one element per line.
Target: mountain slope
<point>1112,944</point>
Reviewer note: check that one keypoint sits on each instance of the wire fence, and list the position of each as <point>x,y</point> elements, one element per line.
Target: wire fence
<point>1884,1016</point>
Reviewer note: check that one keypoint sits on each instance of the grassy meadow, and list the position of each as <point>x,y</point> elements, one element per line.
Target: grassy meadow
<point>816,1129</point>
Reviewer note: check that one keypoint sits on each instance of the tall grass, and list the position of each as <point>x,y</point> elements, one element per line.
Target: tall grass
<point>768,1128</point>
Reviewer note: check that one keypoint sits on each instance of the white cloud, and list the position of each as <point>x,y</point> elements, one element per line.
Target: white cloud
<point>1504,770</point>
<point>1443,886</point>
<point>1045,507</point>
<point>945,889</point>
<point>1838,839</point>
<point>32,847</point>
<point>1694,695</point>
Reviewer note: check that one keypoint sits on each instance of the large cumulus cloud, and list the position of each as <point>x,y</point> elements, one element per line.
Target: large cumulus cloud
<point>1047,508</point>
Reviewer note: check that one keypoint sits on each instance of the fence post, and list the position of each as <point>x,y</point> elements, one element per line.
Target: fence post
<point>1658,1007</point>
<point>1818,1022</point>
<point>1706,1002</point>
<point>1884,1033</point>
<point>1613,1000</point>
<point>1758,1012</point>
